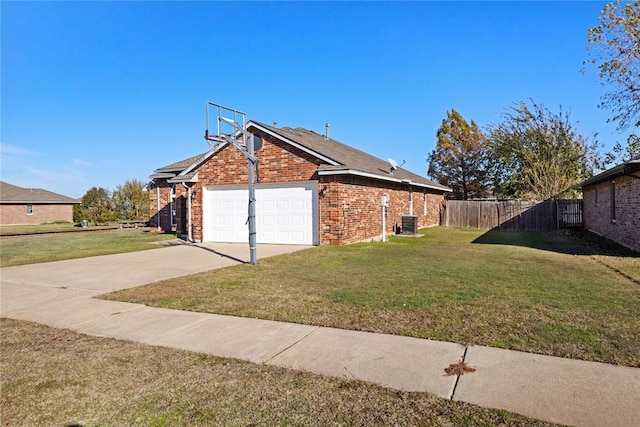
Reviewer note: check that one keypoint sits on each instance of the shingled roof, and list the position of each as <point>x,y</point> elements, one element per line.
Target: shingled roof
<point>13,194</point>
<point>344,159</point>
<point>338,159</point>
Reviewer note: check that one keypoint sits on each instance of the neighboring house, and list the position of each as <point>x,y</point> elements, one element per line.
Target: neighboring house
<point>611,204</point>
<point>33,206</point>
<point>312,190</point>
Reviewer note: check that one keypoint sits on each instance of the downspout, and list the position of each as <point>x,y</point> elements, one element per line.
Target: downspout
<point>189,237</point>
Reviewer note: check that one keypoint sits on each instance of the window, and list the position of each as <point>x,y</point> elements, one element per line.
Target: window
<point>29,209</point>
<point>613,202</point>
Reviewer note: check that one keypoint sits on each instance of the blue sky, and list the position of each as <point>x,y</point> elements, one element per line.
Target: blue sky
<point>95,93</point>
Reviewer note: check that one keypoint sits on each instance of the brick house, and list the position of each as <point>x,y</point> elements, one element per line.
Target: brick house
<point>20,206</point>
<point>611,204</point>
<point>312,190</point>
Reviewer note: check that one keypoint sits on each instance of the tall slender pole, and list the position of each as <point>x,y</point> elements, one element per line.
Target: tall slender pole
<point>252,201</point>
<point>384,225</point>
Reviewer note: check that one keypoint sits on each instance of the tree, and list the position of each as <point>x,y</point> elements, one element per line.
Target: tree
<point>614,47</point>
<point>95,207</point>
<point>535,154</point>
<point>457,161</point>
<point>625,153</point>
<point>131,201</point>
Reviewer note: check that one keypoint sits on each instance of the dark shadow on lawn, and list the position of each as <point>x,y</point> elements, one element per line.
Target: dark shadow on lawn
<point>572,242</point>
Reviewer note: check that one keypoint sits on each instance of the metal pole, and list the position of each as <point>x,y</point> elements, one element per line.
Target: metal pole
<point>252,200</point>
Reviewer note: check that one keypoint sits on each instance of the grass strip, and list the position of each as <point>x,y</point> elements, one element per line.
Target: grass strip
<point>36,248</point>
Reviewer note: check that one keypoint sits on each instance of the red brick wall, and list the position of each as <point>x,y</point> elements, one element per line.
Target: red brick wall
<point>42,214</point>
<point>350,208</point>
<point>597,210</point>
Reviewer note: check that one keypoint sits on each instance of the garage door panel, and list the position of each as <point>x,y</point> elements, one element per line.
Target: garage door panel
<point>284,214</point>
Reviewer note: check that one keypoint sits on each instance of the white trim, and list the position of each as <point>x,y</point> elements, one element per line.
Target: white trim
<point>172,206</point>
<point>201,160</point>
<point>410,201</point>
<point>380,177</point>
<point>424,199</point>
<point>178,180</point>
<point>262,185</point>
<point>295,144</point>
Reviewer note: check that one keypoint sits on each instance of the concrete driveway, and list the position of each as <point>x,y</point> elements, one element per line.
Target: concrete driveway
<point>120,271</point>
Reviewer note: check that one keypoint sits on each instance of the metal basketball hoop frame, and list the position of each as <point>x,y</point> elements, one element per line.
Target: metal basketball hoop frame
<point>231,127</point>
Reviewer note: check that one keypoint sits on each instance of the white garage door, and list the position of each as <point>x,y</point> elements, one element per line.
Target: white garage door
<point>285,213</point>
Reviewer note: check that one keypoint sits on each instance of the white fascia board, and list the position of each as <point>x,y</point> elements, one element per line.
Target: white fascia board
<point>201,160</point>
<point>161,175</point>
<point>295,144</point>
<point>380,177</point>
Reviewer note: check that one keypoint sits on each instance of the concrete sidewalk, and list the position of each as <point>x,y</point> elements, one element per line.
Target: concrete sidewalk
<point>60,294</point>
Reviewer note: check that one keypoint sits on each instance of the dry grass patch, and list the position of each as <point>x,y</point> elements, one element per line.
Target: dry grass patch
<point>561,294</point>
<point>56,377</point>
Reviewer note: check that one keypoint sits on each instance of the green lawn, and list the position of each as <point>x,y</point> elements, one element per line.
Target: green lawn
<point>563,294</point>
<point>14,230</point>
<point>54,377</point>
<point>35,248</point>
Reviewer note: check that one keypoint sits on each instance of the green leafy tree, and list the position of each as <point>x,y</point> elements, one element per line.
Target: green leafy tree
<point>95,207</point>
<point>131,201</point>
<point>614,48</point>
<point>458,160</point>
<point>535,154</point>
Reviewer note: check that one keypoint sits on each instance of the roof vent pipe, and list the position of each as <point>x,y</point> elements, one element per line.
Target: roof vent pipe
<point>326,130</point>
<point>275,124</point>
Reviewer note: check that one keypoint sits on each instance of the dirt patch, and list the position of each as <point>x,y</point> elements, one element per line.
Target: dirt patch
<point>459,368</point>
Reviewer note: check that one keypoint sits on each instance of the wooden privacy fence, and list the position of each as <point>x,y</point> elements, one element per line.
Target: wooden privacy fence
<point>514,215</point>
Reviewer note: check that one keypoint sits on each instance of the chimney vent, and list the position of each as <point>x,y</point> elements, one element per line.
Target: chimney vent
<point>326,131</point>
<point>275,124</point>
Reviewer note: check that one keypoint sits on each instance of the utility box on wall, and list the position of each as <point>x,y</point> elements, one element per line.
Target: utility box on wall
<point>409,224</point>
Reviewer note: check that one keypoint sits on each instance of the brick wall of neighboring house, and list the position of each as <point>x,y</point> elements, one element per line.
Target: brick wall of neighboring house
<point>597,210</point>
<point>15,214</point>
<point>350,209</point>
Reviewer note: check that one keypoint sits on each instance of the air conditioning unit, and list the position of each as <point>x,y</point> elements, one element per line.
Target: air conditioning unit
<point>409,224</point>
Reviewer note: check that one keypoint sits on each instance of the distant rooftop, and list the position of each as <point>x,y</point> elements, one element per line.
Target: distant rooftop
<point>13,194</point>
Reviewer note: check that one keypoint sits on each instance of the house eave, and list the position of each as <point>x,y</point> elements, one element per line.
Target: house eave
<point>184,179</point>
<point>160,175</point>
<point>626,168</point>
<point>201,160</point>
<point>382,178</point>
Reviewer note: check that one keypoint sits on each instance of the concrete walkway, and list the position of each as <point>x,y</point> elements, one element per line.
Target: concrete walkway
<point>60,294</point>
